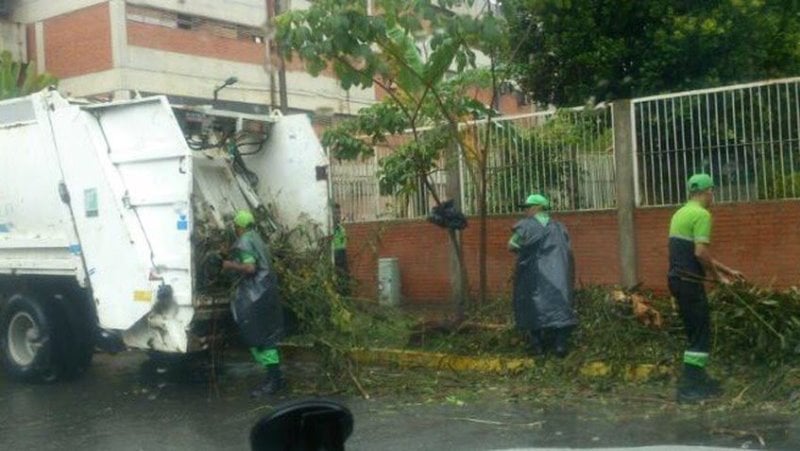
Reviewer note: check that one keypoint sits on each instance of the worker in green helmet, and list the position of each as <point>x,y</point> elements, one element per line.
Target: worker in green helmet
<point>545,278</point>
<point>339,244</point>
<point>690,263</point>
<point>257,306</point>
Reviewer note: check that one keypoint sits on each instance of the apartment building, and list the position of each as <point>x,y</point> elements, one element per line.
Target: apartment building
<point>182,48</point>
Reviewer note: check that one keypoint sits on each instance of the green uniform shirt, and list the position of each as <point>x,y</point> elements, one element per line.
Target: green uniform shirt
<point>691,224</point>
<point>246,258</point>
<point>251,250</point>
<point>339,238</point>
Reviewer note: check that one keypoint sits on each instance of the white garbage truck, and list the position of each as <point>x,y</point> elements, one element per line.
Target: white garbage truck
<point>100,211</point>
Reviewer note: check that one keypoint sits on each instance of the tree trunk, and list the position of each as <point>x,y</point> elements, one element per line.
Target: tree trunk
<point>458,278</point>
<point>458,274</point>
<point>421,202</point>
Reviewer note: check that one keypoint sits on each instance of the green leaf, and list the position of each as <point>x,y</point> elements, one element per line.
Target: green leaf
<point>406,60</point>
<point>440,61</point>
<point>18,79</point>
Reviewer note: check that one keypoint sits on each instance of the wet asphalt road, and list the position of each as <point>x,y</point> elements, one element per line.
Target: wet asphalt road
<point>123,404</point>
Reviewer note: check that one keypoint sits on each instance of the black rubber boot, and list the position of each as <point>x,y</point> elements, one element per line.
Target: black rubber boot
<point>696,386</point>
<point>714,386</point>
<point>536,343</point>
<point>273,384</point>
<point>561,342</point>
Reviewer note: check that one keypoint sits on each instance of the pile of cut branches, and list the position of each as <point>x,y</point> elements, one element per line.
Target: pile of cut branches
<point>322,317</point>
<point>754,329</point>
<point>751,325</point>
<point>756,326</point>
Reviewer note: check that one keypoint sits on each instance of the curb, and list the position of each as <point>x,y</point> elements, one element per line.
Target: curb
<point>441,361</point>
<point>489,365</point>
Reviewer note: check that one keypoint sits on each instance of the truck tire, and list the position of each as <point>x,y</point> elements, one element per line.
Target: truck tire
<point>76,336</point>
<point>28,340</point>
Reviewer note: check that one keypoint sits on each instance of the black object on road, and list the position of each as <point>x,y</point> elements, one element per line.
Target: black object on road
<point>310,425</point>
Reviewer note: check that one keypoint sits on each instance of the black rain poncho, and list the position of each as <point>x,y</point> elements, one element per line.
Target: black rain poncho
<point>257,306</point>
<point>545,273</point>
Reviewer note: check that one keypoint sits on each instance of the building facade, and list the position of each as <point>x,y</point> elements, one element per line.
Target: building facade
<point>113,49</point>
<point>182,48</point>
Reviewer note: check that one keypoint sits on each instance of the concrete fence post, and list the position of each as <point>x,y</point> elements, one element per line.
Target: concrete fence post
<point>453,190</point>
<point>625,160</point>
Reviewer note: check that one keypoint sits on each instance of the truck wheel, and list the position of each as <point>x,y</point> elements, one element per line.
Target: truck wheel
<point>27,340</point>
<point>76,337</point>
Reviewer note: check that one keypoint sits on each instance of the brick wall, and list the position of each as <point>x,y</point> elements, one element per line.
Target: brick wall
<point>78,43</point>
<point>201,42</point>
<point>761,239</point>
<point>422,251</point>
<point>420,248</point>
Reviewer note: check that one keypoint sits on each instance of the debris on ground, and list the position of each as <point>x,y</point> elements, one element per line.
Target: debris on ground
<point>641,307</point>
<point>756,325</point>
<point>757,331</point>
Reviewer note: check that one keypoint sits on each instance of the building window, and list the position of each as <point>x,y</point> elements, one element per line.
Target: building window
<point>184,22</point>
<point>169,19</point>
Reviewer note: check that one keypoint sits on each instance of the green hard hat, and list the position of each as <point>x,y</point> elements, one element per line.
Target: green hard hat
<point>244,219</point>
<point>700,182</point>
<point>537,200</point>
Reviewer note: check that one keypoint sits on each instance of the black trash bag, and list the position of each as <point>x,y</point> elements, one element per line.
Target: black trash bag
<point>448,216</point>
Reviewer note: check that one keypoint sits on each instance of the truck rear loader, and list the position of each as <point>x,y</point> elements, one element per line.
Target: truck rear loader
<point>101,207</point>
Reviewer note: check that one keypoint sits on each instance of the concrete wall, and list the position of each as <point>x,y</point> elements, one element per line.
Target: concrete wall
<point>246,12</point>
<point>30,11</point>
<point>175,73</point>
<point>194,43</point>
<point>195,76</point>
<point>761,239</point>
<point>13,38</point>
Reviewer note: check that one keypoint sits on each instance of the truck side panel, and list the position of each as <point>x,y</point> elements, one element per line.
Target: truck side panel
<point>36,232</point>
<point>129,175</point>
<point>294,175</point>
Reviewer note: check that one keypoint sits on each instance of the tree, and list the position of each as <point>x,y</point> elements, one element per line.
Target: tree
<point>599,50</point>
<point>20,79</point>
<point>381,50</point>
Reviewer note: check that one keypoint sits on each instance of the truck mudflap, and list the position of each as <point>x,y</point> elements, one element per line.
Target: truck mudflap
<point>164,328</point>
<point>173,328</point>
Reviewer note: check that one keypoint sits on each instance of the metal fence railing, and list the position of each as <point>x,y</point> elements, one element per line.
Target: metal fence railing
<point>356,188</point>
<point>567,155</point>
<point>746,136</point>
